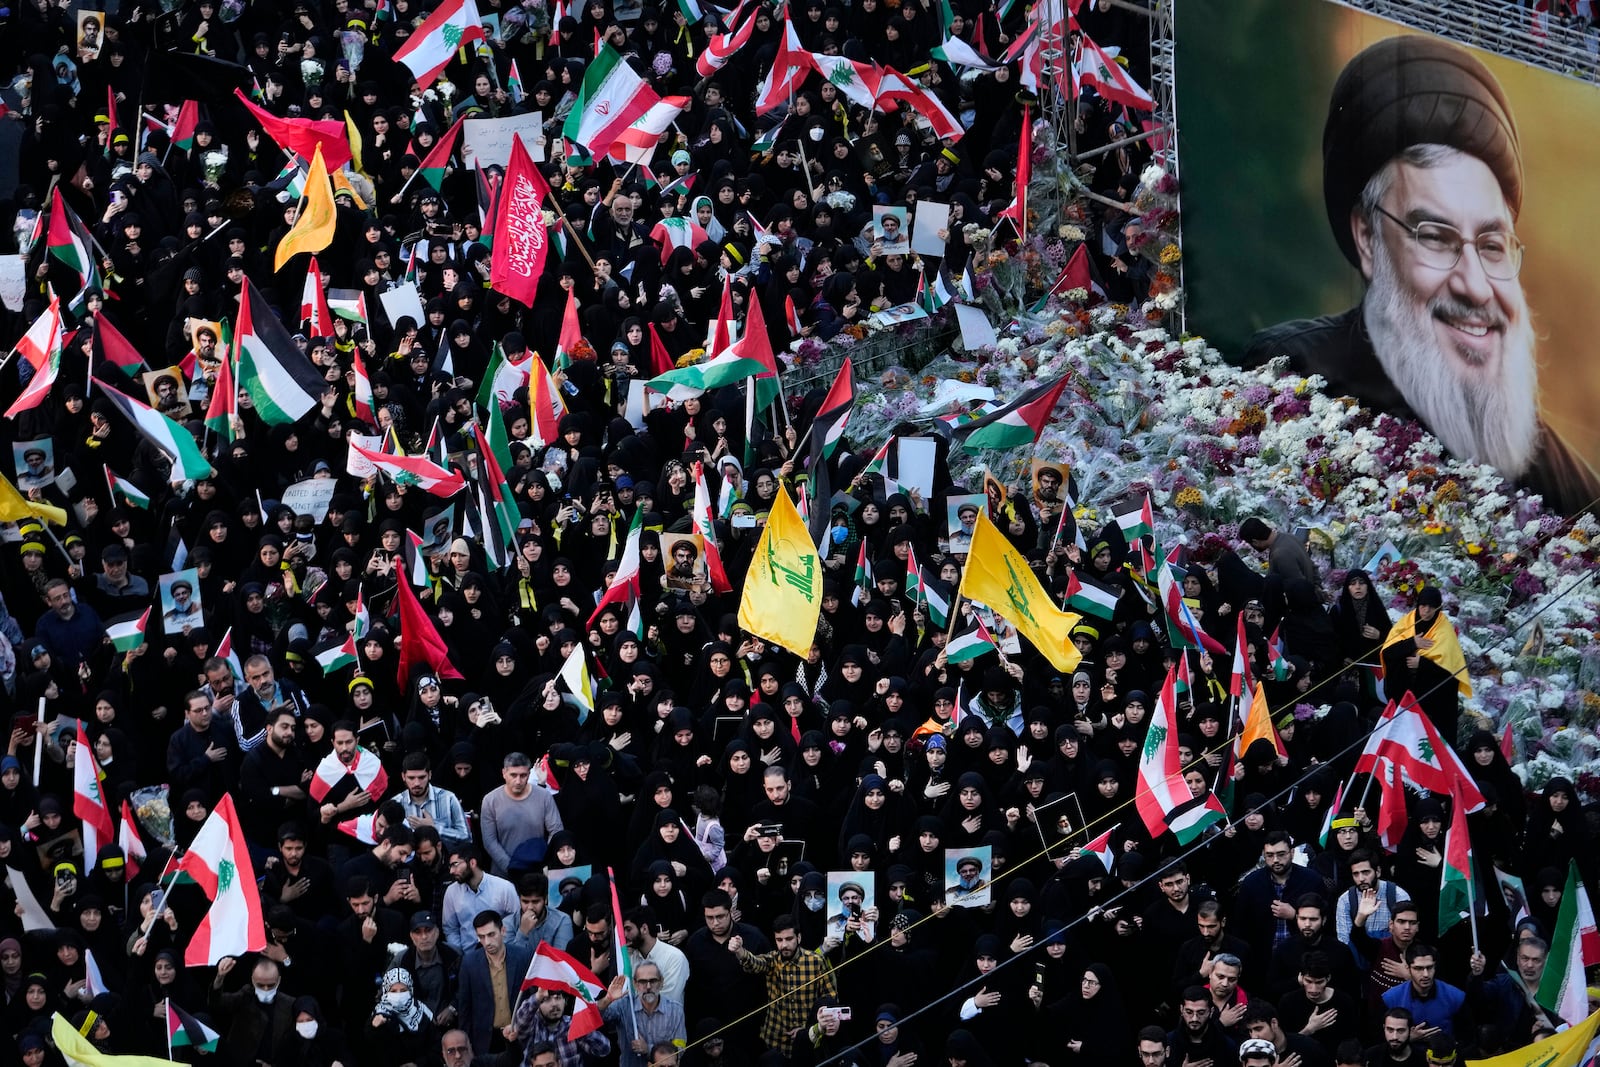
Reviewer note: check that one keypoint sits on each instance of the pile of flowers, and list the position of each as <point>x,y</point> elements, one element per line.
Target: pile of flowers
<point>1213,443</point>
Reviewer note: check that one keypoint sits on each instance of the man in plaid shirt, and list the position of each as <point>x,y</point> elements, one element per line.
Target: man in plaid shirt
<point>796,980</point>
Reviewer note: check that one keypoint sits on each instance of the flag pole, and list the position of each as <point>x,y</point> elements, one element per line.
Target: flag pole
<point>1472,907</point>
<point>38,741</point>
<point>167,1022</point>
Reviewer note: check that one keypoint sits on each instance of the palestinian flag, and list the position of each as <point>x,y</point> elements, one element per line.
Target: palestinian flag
<point>185,1031</point>
<point>834,415</point>
<point>1456,875</point>
<point>611,98</point>
<point>432,45</point>
<point>172,440</point>
<point>183,128</point>
<point>348,304</point>
<point>223,407</point>
<point>126,490</point>
<point>68,242</point>
<point>437,161</point>
<point>937,595</point>
<point>365,768</point>
<point>333,657</point>
<point>219,862</point>
<point>1090,598</point>
<point>570,344</point>
<point>971,640</point>
<point>277,375</point>
<point>1136,521</point>
<point>414,471</point>
<point>110,346</point>
<point>1018,423</point>
<point>127,633</point>
<point>513,86</point>
<point>503,512</point>
<point>959,53</point>
<point>864,582</point>
<point>728,368</point>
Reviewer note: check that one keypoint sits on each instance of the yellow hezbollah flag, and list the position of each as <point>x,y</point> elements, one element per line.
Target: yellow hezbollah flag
<point>999,577</point>
<point>355,143</point>
<point>15,507</point>
<point>1571,1047</point>
<point>783,589</point>
<point>313,228</point>
<point>341,184</point>
<point>1444,649</point>
<point>77,1049</point>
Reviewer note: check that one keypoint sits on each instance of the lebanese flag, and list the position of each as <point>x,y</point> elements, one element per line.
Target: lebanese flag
<point>722,47</point>
<point>314,302</point>
<point>130,842</point>
<point>1392,820</point>
<point>366,768</point>
<point>857,81</point>
<point>1098,70</point>
<point>792,316</point>
<point>708,533</point>
<point>1163,799</point>
<point>1406,737</point>
<point>421,643</point>
<point>675,232</point>
<point>414,470</point>
<point>89,798</point>
<point>899,88</point>
<point>722,327</point>
<point>219,862</point>
<point>637,143</point>
<point>304,136</point>
<point>41,347</point>
<point>625,579</point>
<point>439,39</point>
<point>520,241</point>
<point>361,395</point>
<point>789,68</point>
<point>555,971</point>
<point>1017,212</point>
<point>1240,682</point>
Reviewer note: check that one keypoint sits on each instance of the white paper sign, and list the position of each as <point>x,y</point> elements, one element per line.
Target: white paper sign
<point>931,218</point>
<point>13,281</point>
<point>488,141</point>
<point>310,497</point>
<point>915,467</point>
<point>976,330</point>
<point>401,301</point>
<point>358,465</point>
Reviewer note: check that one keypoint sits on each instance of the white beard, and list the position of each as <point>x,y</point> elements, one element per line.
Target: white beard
<point>1493,420</point>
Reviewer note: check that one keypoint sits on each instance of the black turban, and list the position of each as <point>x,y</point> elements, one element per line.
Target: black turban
<point>1408,91</point>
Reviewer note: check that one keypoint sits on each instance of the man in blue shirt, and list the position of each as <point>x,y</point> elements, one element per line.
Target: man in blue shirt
<point>70,630</point>
<point>1433,1004</point>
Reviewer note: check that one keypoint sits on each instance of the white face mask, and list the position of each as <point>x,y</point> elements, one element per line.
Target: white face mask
<point>307,1030</point>
<point>266,995</point>
<point>397,1001</point>
<point>813,903</point>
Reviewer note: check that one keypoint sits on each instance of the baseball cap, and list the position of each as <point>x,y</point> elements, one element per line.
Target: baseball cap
<point>1258,1046</point>
<point>423,919</point>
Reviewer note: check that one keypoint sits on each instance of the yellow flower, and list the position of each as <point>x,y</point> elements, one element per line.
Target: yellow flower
<point>1170,254</point>
<point>1189,497</point>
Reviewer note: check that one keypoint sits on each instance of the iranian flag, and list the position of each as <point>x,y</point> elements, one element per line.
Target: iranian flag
<point>521,241</point>
<point>1163,798</point>
<point>437,161</point>
<point>555,971</point>
<point>728,368</point>
<point>1456,874</point>
<point>1018,423</point>
<point>130,842</point>
<point>69,243</point>
<point>364,767</point>
<point>41,348</point>
<point>334,657</point>
<point>1090,598</point>
<point>503,378</point>
<point>1407,738</point>
<point>1574,946</point>
<point>677,231</point>
<point>172,440</point>
<point>857,81</point>
<point>128,633</point>
<point>219,862</point>
<point>315,314</point>
<point>88,793</point>
<point>414,470</point>
<point>625,579</point>
<point>272,369</point>
<point>707,532</point>
<point>611,98</point>
<point>435,43</point>
<point>1098,70</point>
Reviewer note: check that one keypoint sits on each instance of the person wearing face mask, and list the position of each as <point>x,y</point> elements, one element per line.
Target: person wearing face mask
<point>314,1044</point>
<point>402,1028</point>
<point>260,1018</point>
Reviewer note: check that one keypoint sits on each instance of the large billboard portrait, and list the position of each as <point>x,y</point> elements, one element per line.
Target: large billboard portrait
<point>1403,215</point>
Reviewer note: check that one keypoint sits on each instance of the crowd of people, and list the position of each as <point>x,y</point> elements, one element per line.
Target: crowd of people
<point>795,839</point>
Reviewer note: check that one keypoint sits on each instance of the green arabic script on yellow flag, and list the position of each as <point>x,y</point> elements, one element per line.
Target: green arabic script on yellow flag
<point>783,591</point>
<point>998,576</point>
